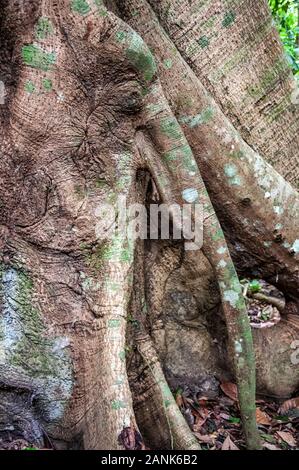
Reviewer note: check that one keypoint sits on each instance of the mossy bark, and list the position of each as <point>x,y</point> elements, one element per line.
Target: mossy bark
<point>93,97</point>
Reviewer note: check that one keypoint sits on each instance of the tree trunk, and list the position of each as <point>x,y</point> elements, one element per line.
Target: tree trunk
<point>102,106</point>
<point>234,48</point>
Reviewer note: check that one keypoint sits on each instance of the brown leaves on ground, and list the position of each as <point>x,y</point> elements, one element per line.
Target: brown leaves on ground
<point>228,444</point>
<point>289,405</point>
<point>216,423</point>
<point>287,437</point>
<point>262,417</point>
<point>230,390</point>
<point>18,444</point>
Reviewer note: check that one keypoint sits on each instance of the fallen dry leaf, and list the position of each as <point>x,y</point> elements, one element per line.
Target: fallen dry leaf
<point>224,416</point>
<point>199,422</point>
<point>202,401</point>
<point>287,437</point>
<point>262,417</point>
<point>230,390</point>
<point>201,416</point>
<point>229,445</point>
<point>205,439</point>
<point>179,400</point>
<point>270,446</point>
<point>289,405</point>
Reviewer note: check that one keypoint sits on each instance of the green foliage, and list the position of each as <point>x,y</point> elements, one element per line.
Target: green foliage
<point>286,15</point>
<point>254,286</point>
<point>234,420</point>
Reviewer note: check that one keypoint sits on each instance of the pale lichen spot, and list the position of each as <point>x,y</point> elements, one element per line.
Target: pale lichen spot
<point>221,250</point>
<point>119,381</point>
<point>101,7</point>
<point>167,64</point>
<point>236,181</point>
<point>122,355</point>
<point>155,108</point>
<point>199,119</point>
<point>118,404</point>
<point>232,297</point>
<point>295,246</point>
<point>190,195</point>
<point>114,323</point>
<point>222,263</point>
<point>231,171</point>
<point>238,347</point>
<point>278,210</point>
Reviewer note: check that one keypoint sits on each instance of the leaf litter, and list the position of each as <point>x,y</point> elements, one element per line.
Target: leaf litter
<point>216,422</point>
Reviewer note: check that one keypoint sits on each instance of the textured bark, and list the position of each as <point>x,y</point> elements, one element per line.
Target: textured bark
<point>253,191</point>
<point>53,143</point>
<point>87,108</point>
<point>234,48</point>
<point>186,175</point>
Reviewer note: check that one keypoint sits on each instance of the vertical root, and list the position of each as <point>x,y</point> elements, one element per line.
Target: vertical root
<point>180,433</point>
<point>177,174</point>
<point>181,436</point>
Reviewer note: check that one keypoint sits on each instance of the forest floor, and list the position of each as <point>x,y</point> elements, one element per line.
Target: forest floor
<point>217,424</point>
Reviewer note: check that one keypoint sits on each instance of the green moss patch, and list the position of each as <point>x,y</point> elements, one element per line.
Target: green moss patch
<point>35,57</point>
<point>80,6</point>
<point>43,28</point>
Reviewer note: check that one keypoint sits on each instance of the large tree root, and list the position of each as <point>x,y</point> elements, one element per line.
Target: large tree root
<point>177,434</point>
<point>179,178</point>
<point>180,434</point>
<point>71,292</point>
<point>229,166</point>
<point>172,139</point>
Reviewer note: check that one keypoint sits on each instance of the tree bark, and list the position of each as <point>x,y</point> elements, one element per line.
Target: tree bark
<point>89,106</point>
<point>234,49</point>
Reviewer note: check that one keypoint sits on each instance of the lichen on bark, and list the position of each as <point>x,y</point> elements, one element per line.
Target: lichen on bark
<point>102,96</point>
<point>27,346</point>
